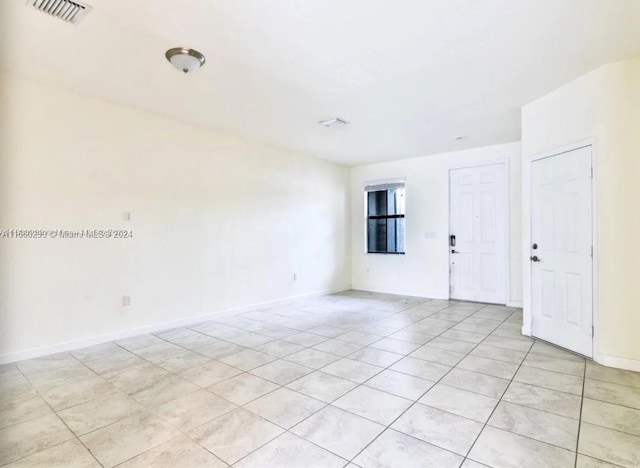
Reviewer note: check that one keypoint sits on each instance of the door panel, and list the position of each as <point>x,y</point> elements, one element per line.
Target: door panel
<point>561,229</point>
<point>478,219</point>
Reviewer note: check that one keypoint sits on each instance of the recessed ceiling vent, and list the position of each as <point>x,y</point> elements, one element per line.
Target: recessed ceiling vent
<point>66,10</point>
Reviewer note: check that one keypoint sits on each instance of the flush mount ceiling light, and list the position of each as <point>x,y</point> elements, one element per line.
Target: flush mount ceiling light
<point>337,122</point>
<point>184,59</point>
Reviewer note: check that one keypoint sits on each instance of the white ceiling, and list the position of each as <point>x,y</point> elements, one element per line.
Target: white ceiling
<point>409,75</point>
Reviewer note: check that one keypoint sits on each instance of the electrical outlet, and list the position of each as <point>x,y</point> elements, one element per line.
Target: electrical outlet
<point>126,216</point>
<point>295,277</point>
<point>126,301</point>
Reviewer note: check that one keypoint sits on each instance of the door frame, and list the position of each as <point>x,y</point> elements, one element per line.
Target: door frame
<point>527,317</point>
<point>507,226</point>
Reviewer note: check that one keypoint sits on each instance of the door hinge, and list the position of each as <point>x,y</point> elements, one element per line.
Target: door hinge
<point>591,331</point>
<point>592,251</point>
<point>592,172</point>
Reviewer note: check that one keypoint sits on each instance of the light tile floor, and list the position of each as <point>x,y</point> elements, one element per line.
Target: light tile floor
<point>354,379</point>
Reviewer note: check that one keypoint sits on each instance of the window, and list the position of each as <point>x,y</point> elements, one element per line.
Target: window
<point>385,218</point>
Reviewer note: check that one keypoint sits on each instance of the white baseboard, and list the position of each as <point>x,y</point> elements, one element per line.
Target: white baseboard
<point>618,362</point>
<point>517,304</point>
<point>422,294</point>
<point>154,328</point>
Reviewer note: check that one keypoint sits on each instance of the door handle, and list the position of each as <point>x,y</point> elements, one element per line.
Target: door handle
<point>534,258</point>
<point>454,251</point>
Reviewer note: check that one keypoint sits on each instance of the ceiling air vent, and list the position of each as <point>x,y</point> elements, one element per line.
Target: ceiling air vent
<point>66,10</point>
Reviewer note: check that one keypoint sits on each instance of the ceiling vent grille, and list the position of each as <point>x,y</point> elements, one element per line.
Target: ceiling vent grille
<point>66,10</point>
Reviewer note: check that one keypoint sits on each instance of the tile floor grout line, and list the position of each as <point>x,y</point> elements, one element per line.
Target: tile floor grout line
<point>584,381</point>
<point>421,396</point>
<point>497,404</point>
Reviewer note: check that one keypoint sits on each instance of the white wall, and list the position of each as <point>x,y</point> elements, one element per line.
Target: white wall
<point>603,105</point>
<point>219,222</point>
<point>424,269</point>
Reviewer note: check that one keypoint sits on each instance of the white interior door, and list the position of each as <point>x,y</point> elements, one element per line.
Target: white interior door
<point>561,250</point>
<point>478,233</point>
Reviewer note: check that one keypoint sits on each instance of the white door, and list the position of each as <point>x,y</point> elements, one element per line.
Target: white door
<point>561,255</point>
<point>478,233</point>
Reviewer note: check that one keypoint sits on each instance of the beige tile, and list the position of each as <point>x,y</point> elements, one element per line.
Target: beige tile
<point>402,385</point>
<point>393,449</point>
<point>70,394</point>
<point>160,352</point>
<point>235,435</point>
<point>504,370</point>
<point>70,454</point>
<point>114,363</point>
<point>338,347</point>
<point>219,349</point>
<point>461,402</point>
<point>449,344</point>
<point>163,390</point>
<point>373,404</point>
<point>22,407</point>
<point>139,342</point>
<point>242,388</point>
<point>247,359</point>
<point>499,354</point>
<point>609,374</point>
<point>100,412</point>
<point>462,335</point>
<point>305,339</point>
<point>210,373</point>
<point>587,462</point>
<point>540,425</point>
<point>312,358</point>
<point>612,393</point>
<point>97,351</point>
<point>137,378</point>
<point>358,338</point>
<point>338,431</point>
<point>284,407</point>
<point>551,380</point>
<point>290,451</point>
<point>376,357</point>
<point>439,428</point>
<point>552,401</point>
<point>280,348</point>
<point>179,452</point>
<point>609,445</point>
<point>52,363</point>
<point>281,372</point>
<point>193,410</point>
<point>473,381</point>
<point>321,386</point>
<point>564,366</point>
<point>619,418</point>
<point>540,347</point>
<point>419,368</point>
<point>499,448</point>
<point>349,369</point>
<point>409,337</point>
<point>399,346</point>
<point>127,438</point>
<point>184,361</point>
<point>441,356</point>
<point>31,436</point>
<point>523,344</point>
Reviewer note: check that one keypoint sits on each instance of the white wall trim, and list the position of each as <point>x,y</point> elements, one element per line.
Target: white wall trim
<point>516,304</point>
<point>432,294</point>
<point>618,362</point>
<point>527,318</point>
<point>154,328</point>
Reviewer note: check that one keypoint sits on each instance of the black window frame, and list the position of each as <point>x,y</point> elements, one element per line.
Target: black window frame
<point>386,217</point>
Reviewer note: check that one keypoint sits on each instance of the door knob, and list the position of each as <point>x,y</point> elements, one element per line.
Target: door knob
<point>534,258</point>
<point>454,251</point>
